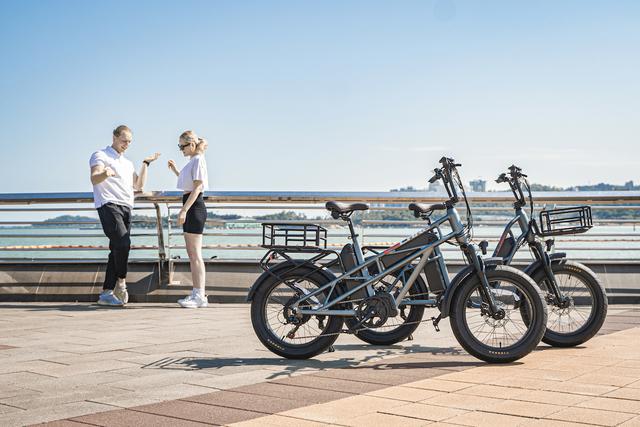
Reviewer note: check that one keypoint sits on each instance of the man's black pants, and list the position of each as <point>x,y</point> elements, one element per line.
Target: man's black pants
<point>116,223</point>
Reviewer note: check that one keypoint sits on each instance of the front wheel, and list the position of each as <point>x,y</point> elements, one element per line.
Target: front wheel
<point>505,339</point>
<point>585,310</point>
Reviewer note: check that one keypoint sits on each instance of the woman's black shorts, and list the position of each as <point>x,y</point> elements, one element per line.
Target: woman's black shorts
<point>196,215</point>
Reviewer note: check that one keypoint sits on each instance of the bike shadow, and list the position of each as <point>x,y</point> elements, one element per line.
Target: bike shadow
<point>287,368</point>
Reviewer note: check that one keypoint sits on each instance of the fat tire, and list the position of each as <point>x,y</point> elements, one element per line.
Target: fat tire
<point>532,336</point>
<point>600,304</point>
<point>270,341</point>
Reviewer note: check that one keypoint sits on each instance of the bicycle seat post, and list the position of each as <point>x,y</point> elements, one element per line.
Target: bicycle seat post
<point>354,238</point>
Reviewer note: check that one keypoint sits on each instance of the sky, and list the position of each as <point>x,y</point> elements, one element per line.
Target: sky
<point>322,95</point>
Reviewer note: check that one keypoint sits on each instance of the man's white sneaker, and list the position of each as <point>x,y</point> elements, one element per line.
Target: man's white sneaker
<point>193,301</point>
<point>108,298</point>
<point>121,293</point>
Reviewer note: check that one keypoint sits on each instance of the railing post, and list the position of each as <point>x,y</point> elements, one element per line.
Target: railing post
<point>162,255</point>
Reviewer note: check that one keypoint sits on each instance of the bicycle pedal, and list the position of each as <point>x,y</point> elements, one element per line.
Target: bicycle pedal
<point>435,321</point>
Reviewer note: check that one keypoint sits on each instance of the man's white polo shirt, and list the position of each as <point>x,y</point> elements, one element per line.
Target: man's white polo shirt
<point>116,189</point>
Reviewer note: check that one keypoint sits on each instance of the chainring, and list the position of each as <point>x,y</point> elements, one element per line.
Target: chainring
<point>373,312</point>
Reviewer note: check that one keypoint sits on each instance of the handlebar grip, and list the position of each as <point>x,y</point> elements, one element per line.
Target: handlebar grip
<point>448,161</point>
<point>437,174</point>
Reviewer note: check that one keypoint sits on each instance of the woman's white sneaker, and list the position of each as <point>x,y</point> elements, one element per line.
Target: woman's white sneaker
<point>194,301</point>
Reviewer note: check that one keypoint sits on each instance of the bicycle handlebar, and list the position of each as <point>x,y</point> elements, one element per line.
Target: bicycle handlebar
<point>512,177</point>
<point>446,174</point>
<point>437,175</point>
<point>502,178</point>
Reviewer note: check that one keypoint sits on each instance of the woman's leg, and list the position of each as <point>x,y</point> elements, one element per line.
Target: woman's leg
<point>194,250</point>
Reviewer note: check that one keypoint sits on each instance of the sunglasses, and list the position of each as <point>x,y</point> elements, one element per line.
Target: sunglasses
<point>182,147</point>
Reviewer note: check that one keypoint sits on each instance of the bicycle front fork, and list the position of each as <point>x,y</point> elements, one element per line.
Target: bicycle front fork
<point>554,294</point>
<point>489,304</point>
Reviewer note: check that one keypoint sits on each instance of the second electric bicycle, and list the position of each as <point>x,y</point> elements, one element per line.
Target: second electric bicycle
<point>576,299</point>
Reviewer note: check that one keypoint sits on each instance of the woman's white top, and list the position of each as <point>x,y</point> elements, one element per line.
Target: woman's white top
<point>195,170</point>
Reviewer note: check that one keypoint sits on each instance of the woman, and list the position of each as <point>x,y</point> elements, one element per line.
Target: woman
<point>193,181</point>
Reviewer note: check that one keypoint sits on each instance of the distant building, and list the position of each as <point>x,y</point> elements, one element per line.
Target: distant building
<point>478,185</point>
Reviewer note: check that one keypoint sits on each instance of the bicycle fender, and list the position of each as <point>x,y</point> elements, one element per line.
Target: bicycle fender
<point>456,282</point>
<point>555,258</point>
<point>285,265</point>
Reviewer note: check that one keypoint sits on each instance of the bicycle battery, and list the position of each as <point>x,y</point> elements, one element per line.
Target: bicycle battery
<point>416,242</point>
<point>436,274</point>
<point>506,248</point>
<point>348,258</point>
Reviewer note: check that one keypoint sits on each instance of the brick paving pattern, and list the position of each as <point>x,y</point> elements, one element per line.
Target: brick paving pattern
<point>155,365</point>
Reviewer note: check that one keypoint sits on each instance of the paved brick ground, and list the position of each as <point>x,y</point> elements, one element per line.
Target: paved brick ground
<point>160,365</point>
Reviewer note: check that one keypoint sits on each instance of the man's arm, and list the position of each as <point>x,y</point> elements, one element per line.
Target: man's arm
<point>99,173</point>
<point>140,180</point>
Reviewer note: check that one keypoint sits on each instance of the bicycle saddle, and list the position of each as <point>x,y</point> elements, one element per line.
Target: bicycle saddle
<point>345,208</point>
<point>421,208</point>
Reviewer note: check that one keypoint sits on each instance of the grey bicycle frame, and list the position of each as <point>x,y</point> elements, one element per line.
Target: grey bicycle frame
<point>522,219</point>
<point>529,236</point>
<point>423,253</point>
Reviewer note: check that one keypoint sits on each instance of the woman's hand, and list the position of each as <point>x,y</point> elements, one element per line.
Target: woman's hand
<point>152,158</point>
<point>182,216</point>
<point>172,166</point>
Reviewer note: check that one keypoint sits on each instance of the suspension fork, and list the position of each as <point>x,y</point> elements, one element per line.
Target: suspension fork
<point>485,287</point>
<point>542,256</point>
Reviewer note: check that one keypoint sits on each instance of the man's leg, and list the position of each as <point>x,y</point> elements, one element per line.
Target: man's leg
<point>110,273</point>
<point>121,253</point>
<point>122,242</point>
<point>109,218</point>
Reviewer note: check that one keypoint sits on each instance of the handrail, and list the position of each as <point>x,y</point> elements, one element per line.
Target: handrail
<point>560,197</point>
<point>500,202</point>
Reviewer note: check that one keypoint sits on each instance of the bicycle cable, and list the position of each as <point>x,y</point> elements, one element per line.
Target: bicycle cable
<point>468,227</point>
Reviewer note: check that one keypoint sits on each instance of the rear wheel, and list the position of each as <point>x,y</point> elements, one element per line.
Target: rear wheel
<point>582,316</point>
<point>293,337</point>
<point>499,340</point>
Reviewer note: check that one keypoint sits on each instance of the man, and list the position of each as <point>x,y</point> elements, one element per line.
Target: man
<point>114,180</point>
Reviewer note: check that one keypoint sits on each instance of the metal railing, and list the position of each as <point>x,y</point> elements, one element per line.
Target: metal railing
<point>610,235</point>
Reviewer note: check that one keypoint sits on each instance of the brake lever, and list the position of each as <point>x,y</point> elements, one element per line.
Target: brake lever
<point>437,175</point>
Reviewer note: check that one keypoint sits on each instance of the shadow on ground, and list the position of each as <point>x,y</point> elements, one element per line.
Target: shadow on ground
<point>290,367</point>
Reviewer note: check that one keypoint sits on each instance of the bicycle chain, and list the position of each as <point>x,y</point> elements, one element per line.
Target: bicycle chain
<point>350,331</point>
<point>353,331</point>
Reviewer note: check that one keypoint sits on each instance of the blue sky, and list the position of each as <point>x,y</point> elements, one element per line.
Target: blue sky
<point>330,95</point>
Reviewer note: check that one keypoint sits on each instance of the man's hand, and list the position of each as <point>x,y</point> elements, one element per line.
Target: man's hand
<point>152,158</point>
<point>99,173</point>
<point>182,216</point>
